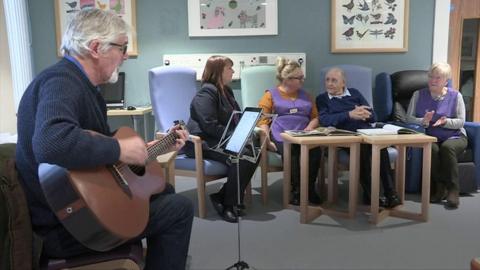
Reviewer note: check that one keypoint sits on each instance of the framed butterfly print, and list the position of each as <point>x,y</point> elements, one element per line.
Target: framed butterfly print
<point>66,9</point>
<point>361,26</point>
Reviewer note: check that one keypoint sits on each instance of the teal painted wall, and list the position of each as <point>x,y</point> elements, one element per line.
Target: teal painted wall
<point>304,26</point>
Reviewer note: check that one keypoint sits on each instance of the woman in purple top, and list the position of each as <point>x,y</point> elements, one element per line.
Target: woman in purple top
<point>441,111</point>
<point>296,110</point>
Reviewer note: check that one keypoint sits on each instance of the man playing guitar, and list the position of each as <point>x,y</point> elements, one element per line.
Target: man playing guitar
<point>62,121</point>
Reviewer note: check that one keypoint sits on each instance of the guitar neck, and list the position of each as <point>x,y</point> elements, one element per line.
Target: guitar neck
<point>161,146</point>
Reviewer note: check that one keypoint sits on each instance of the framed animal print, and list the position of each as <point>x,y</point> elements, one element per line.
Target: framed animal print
<point>66,9</point>
<point>369,26</point>
<point>232,17</point>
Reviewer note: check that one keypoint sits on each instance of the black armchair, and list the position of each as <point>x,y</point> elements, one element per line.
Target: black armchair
<point>391,98</point>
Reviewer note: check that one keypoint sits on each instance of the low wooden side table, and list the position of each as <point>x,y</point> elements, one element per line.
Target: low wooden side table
<point>401,142</point>
<point>309,212</point>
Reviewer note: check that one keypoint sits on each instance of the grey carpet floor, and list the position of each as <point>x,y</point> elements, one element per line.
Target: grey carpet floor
<point>273,238</point>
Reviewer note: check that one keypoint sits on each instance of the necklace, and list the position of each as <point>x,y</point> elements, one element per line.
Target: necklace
<point>442,94</point>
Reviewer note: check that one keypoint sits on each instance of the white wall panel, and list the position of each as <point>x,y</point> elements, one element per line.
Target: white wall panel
<point>240,60</point>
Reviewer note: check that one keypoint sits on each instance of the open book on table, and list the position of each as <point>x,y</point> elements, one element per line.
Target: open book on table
<point>387,129</point>
<point>321,131</point>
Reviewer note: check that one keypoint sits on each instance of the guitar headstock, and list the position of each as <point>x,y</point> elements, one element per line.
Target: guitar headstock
<point>180,124</point>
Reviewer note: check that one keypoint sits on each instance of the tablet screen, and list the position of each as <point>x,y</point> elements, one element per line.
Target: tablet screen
<point>242,132</point>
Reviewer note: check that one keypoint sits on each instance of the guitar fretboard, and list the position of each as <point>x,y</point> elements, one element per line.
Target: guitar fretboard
<point>156,149</point>
<point>162,146</point>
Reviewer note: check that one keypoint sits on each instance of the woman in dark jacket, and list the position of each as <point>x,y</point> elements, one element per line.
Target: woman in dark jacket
<point>210,111</point>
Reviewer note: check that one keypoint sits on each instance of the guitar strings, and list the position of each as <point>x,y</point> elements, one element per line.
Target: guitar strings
<point>153,151</point>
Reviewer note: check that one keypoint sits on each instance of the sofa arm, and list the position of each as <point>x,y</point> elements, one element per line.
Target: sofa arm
<point>382,97</point>
<point>473,134</point>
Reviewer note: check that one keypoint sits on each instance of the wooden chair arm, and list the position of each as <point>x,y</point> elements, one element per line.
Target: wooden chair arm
<point>195,139</point>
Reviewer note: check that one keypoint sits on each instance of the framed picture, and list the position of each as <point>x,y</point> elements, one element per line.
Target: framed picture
<point>232,17</point>
<point>66,9</point>
<point>369,26</point>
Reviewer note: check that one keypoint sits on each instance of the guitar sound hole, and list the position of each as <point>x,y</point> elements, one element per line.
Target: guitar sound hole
<point>138,170</point>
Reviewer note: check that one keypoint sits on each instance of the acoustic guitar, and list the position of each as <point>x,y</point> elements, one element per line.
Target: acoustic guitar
<point>105,206</point>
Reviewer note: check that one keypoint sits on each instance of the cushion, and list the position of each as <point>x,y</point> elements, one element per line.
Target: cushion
<point>210,167</point>
<point>15,225</point>
<point>399,113</point>
<point>404,83</point>
<point>133,252</point>
<point>274,159</point>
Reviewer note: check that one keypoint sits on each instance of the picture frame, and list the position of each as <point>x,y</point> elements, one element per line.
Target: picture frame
<point>66,9</point>
<point>207,18</point>
<point>360,26</point>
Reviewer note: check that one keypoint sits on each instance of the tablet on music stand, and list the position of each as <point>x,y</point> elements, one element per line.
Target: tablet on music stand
<point>243,131</point>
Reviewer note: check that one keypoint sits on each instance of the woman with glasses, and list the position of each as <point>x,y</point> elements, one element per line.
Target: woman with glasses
<point>296,110</point>
<point>441,110</point>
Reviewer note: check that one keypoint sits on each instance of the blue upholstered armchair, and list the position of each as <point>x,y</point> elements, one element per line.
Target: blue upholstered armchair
<point>171,91</point>
<point>391,98</point>
<point>358,77</point>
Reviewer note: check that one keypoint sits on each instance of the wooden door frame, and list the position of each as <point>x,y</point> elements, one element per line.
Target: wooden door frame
<point>461,10</point>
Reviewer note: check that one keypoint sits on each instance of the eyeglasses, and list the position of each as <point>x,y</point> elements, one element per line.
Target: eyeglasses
<point>123,47</point>
<point>300,78</point>
<point>435,77</point>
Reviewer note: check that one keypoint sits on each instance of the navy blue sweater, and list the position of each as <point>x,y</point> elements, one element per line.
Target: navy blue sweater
<point>55,112</point>
<point>334,112</point>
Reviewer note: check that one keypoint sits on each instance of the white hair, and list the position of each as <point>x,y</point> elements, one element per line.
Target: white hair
<point>442,69</point>
<point>340,71</point>
<point>89,25</point>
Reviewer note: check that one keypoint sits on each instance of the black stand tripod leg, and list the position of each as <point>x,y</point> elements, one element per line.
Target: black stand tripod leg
<point>240,264</point>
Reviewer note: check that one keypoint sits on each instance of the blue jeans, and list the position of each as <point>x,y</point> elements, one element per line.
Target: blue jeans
<point>168,234</point>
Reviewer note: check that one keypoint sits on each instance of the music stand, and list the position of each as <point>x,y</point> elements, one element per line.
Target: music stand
<point>234,146</point>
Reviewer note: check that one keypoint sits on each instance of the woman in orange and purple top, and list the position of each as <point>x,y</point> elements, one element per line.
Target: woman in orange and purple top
<point>296,110</point>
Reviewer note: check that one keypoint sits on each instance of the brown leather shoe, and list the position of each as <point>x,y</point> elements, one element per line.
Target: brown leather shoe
<point>453,199</point>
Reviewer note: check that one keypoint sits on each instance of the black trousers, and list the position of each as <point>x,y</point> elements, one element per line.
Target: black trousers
<point>228,193</point>
<point>366,170</point>
<point>314,157</point>
<point>229,190</point>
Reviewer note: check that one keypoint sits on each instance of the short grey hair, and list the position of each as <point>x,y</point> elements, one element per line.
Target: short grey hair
<point>89,25</point>
<point>339,70</point>
<point>442,69</point>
